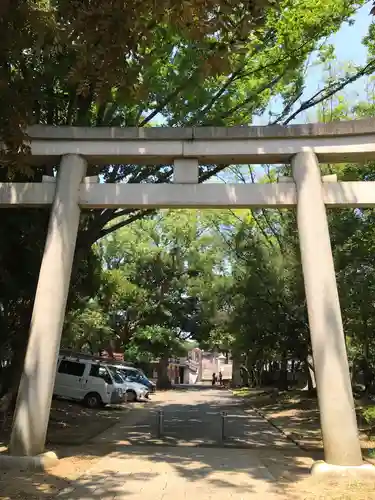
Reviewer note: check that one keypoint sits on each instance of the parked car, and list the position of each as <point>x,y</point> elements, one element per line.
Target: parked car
<point>89,381</point>
<point>134,391</point>
<point>136,375</point>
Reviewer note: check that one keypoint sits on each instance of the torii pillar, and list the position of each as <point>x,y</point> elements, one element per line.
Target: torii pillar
<point>336,403</point>
<point>36,388</point>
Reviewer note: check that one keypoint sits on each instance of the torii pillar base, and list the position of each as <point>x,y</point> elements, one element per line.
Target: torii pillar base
<point>364,471</point>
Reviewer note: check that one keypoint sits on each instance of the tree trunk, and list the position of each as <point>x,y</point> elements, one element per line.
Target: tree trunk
<point>12,376</point>
<point>260,372</point>
<point>251,370</point>
<point>293,371</point>
<point>244,376</point>
<point>236,372</point>
<point>368,375</point>
<point>367,369</point>
<point>309,369</point>
<point>256,371</point>
<point>283,376</point>
<point>163,381</point>
<point>353,372</point>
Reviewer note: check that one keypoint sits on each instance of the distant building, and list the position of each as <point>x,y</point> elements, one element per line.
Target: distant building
<point>109,353</point>
<point>216,362</point>
<point>199,366</point>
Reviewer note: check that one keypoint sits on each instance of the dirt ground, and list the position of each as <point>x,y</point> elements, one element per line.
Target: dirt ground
<point>334,489</point>
<point>70,426</point>
<point>73,424</point>
<point>28,485</point>
<point>297,415</point>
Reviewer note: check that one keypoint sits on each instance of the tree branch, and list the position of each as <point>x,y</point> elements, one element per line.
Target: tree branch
<point>329,91</point>
<point>164,102</point>
<point>129,220</point>
<point>264,87</point>
<point>234,76</point>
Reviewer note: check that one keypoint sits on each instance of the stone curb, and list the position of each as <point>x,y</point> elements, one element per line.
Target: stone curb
<point>42,462</point>
<point>286,434</point>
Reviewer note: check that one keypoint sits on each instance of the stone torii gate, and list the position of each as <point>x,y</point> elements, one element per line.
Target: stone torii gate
<point>304,146</point>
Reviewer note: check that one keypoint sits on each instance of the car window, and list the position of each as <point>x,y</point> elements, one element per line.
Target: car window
<point>132,375</point>
<point>71,368</point>
<point>116,375</point>
<point>100,372</point>
<point>139,373</point>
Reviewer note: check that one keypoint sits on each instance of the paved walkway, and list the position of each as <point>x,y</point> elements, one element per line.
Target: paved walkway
<point>254,462</point>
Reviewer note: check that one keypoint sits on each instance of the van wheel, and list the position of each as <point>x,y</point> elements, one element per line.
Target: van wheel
<point>131,396</point>
<point>93,400</point>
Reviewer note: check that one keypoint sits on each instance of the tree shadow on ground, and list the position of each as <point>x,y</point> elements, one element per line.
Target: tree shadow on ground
<point>297,413</point>
<point>105,484</point>
<point>192,447</point>
<point>242,471</point>
<point>254,459</point>
<point>72,423</point>
<point>199,424</point>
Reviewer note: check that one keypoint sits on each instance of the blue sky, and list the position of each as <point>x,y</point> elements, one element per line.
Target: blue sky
<point>354,49</point>
<point>348,47</point>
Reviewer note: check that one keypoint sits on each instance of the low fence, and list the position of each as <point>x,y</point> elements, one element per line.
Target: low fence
<point>162,430</point>
<point>192,428</point>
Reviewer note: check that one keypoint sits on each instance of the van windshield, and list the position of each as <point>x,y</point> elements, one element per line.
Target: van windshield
<point>115,374</point>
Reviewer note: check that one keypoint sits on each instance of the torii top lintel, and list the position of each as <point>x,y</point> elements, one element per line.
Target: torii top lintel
<point>335,142</point>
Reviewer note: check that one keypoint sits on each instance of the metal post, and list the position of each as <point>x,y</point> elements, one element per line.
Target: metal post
<point>160,423</point>
<point>223,416</point>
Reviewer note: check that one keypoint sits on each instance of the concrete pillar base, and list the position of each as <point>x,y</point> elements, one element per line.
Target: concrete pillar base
<point>364,471</point>
<point>42,462</point>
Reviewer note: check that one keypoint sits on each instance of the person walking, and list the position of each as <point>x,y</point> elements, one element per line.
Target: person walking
<point>214,379</point>
<point>220,378</point>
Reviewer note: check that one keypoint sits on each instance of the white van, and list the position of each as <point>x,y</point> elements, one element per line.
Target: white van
<point>87,380</point>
